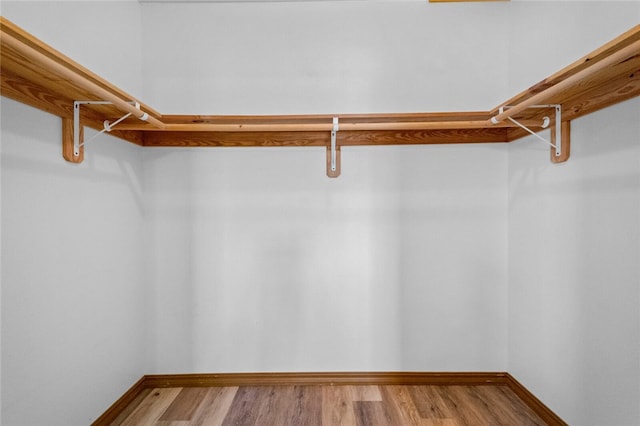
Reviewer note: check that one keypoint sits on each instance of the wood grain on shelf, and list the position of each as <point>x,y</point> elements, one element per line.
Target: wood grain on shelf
<point>38,75</point>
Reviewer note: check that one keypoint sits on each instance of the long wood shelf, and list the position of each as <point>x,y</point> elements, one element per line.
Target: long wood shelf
<point>38,75</point>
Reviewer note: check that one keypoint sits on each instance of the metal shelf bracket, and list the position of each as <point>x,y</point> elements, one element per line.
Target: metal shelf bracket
<point>334,134</point>
<point>556,128</point>
<point>108,126</point>
<point>333,151</point>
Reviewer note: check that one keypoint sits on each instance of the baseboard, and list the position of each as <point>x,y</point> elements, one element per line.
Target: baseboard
<point>534,403</point>
<point>325,378</point>
<point>148,382</point>
<point>120,408</point>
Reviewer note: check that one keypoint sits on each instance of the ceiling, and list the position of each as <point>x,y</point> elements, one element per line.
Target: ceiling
<point>238,1</point>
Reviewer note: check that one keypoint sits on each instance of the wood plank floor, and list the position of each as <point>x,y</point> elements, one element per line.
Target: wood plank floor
<point>330,405</point>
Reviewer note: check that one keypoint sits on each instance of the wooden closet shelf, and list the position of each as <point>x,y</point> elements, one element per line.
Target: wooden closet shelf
<point>38,75</point>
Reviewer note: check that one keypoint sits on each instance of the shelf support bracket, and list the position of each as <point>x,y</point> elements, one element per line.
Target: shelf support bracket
<point>333,151</point>
<point>565,135</point>
<point>73,132</point>
<point>69,135</point>
<point>559,147</point>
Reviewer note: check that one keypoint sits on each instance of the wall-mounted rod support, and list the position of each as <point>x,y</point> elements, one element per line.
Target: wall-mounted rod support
<point>545,123</point>
<point>557,128</point>
<point>77,142</point>
<point>333,151</point>
<point>76,129</point>
<point>334,134</point>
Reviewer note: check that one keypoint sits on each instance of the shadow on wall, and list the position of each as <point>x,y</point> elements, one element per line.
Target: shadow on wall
<point>98,165</point>
<point>596,139</point>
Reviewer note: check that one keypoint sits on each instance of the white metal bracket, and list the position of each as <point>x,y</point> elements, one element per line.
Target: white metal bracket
<point>333,151</point>
<point>545,123</point>
<point>334,134</point>
<point>107,125</point>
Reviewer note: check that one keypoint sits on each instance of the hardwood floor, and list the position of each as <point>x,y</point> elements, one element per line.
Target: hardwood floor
<point>330,405</point>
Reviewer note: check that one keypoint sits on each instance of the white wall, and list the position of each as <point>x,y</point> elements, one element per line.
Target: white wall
<point>73,307</point>
<point>261,262</point>
<point>252,260</point>
<point>324,57</point>
<point>574,235</point>
<point>574,251</point>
